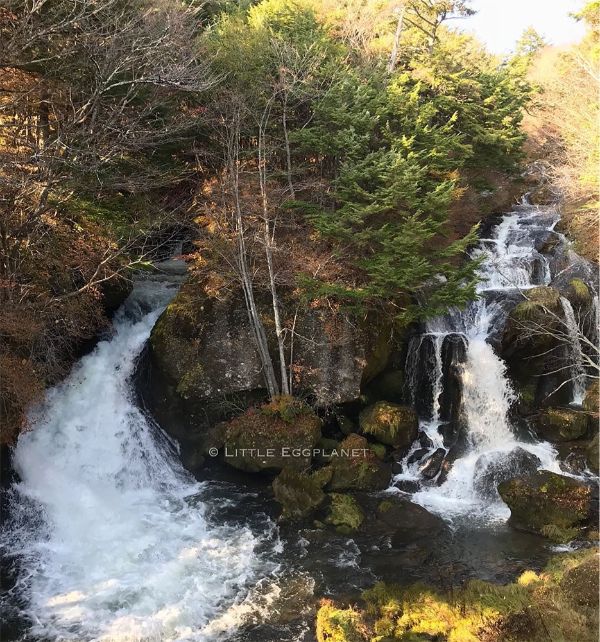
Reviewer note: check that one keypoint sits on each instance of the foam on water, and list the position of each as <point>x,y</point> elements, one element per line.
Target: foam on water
<point>107,528</point>
<point>510,263</point>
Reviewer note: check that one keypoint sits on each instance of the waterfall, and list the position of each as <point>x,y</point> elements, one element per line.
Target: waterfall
<point>578,376</point>
<point>106,528</point>
<point>510,264</point>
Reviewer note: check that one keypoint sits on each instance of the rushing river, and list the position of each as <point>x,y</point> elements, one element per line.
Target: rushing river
<point>109,539</point>
<point>108,529</point>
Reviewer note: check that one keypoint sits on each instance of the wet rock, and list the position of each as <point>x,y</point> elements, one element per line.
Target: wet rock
<point>357,467</point>
<point>493,469</point>
<point>431,467</point>
<point>406,522</point>
<point>560,424</point>
<point>344,513</point>
<point>453,356</point>
<point>424,440</point>
<point>545,500</point>
<point>390,424</point>
<point>545,240</point>
<point>407,485</point>
<point>300,493</point>
<point>417,455</point>
<point>280,434</point>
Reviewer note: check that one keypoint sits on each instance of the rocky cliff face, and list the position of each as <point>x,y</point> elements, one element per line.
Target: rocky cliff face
<point>204,362</point>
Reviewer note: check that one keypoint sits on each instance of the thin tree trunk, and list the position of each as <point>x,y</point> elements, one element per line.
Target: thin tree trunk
<point>255,321</point>
<point>262,171</point>
<point>394,55</point>
<point>288,154</point>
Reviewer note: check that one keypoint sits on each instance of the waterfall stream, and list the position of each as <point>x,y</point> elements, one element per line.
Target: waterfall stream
<point>510,266</point>
<point>108,530</point>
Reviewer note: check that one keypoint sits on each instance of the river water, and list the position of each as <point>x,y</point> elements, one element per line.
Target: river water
<point>109,539</point>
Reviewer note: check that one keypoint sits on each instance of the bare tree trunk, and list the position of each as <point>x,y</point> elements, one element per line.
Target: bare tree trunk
<point>255,321</point>
<point>288,155</point>
<point>268,240</point>
<point>394,55</point>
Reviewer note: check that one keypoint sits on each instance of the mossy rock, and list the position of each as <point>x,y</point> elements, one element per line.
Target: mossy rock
<point>326,447</point>
<point>357,467</point>
<point>335,624</point>
<point>390,424</point>
<point>561,424</point>
<point>546,499</point>
<point>540,310</point>
<point>279,434</point>
<point>344,513</point>
<point>299,493</point>
<point>578,293</point>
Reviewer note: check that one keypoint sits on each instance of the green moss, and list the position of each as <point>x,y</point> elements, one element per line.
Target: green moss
<point>339,625</point>
<point>578,293</point>
<point>546,499</point>
<point>299,493</point>
<point>561,424</point>
<point>562,600</point>
<point>344,513</point>
<point>359,468</point>
<point>385,506</point>
<point>558,534</point>
<point>390,423</point>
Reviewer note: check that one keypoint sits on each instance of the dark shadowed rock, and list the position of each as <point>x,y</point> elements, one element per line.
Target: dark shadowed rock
<point>491,470</point>
<point>432,465</point>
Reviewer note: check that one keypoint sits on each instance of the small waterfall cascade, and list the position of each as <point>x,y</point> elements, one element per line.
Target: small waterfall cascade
<point>578,375</point>
<point>107,531</point>
<point>456,353</point>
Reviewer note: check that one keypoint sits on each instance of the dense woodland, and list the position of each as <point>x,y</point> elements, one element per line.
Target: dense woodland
<point>317,151</point>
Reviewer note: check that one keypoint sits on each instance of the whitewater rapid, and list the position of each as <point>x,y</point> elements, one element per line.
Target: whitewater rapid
<point>510,265</point>
<point>107,529</point>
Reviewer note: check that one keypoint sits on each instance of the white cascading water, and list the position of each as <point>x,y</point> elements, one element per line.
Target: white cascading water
<point>578,376</point>
<point>107,528</point>
<point>509,263</point>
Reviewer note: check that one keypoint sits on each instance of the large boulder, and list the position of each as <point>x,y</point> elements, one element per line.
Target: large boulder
<point>560,424</point>
<point>205,348</point>
<point>546,500</point>
<point>390,423</point>
<point>539,311</point>
<point>357,467</point>
<point>280,434</point>
<point>299,493</point>
<point>495,468</point>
